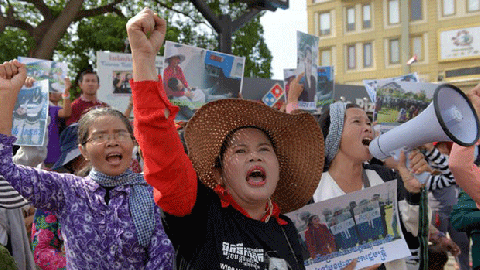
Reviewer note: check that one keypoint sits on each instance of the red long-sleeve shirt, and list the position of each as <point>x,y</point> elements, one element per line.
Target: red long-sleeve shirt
<point>167,167</point>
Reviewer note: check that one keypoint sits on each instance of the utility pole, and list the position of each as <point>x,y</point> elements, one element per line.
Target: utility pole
<point>225,27</point>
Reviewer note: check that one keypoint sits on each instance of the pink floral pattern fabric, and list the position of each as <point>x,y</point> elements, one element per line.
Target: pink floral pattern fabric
<point>47,243</point>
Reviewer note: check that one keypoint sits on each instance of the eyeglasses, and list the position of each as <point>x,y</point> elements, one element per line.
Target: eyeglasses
<point>101,138</point>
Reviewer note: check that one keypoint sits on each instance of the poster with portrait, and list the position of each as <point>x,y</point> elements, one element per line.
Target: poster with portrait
<point>326,86</point>
<point>30,114</point>
<point>363,225</point>
<point>194,76</point>
<point>40,69</point>
<point>307,59</point>
<point>115,71</point>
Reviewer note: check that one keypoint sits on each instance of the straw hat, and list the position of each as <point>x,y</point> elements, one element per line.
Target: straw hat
<point>297,138</point>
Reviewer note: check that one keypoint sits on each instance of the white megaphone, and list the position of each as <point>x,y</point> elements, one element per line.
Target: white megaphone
<point>450,117</point>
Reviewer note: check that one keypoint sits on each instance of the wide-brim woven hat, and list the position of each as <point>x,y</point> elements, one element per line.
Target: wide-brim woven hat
<point>297,138</point>
<point>178,55</point>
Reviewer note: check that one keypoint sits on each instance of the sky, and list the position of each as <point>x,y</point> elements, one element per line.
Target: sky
<point>281,35</point>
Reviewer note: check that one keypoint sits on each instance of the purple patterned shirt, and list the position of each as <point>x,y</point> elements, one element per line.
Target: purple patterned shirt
<point>97,235</point>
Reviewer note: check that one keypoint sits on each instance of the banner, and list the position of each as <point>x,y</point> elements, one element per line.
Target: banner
<point>194,76</point>
<point>115,70</point>
<point>30,114</point>
<point>363,225</point>
<point>54,72</point>
<point>459,44</point>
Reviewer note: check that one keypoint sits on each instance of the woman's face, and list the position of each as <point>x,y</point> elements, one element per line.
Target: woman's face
<point>250,168</point>
<point>109,145</point>
<point>357,134</point>
<point>316,221</point>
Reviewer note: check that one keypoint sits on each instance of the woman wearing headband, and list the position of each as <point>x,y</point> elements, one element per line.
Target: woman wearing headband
<point>347,132</point>
<point>249,159</point>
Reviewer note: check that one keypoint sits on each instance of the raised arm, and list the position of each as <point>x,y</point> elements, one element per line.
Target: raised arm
<point>167,167</point>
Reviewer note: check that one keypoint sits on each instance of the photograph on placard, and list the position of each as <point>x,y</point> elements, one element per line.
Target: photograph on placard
<point>40,69</point>
<point>363,225</point>
<point>326,86</point>
<point>30,114</point>
<point>307,59</point>
<point>115,71</point>
<point>194,76</point>
<point>121,81</point>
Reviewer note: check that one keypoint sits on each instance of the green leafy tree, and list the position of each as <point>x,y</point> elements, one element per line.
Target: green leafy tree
<point>72,31</point>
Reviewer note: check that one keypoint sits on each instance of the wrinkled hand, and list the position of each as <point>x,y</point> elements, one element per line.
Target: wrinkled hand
<point>146,33</point>
<point>474,96</point>
<point>418,163</point>
<point>410,182</point>
<point>12,77</point>
<point>295,89</point>
<point>29,81</point>
<point>448,245</point>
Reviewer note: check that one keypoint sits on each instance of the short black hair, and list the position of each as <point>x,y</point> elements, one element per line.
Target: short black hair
<point>86,72</point>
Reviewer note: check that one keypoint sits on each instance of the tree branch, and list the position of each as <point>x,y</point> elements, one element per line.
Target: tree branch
<point>11,21</point>
<point>109,8</point>
<point>42,7</point>
<point>184,13</point>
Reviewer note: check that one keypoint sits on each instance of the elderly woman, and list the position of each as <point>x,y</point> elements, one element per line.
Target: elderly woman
<point>253,163</point>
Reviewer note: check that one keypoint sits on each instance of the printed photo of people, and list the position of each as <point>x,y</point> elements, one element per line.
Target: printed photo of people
<point>194,76</point>
<point>121,82</point>
<point>30,115</point>
<point>347,224</point>
<point>307,59</point>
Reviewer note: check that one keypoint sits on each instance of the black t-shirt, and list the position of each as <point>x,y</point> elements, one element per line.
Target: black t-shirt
<point>212,237</point>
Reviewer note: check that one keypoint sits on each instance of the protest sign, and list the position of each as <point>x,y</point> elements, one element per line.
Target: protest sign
<point>115,71</point>
<point>307,59</point>
<point>273,96</point>
<point>30,115</point>
<point>372,85</point>
<point>326,86</point>
<point>363,225</point>
<point>194,76</point>
<point>399,102</point>
<point>54,72</point>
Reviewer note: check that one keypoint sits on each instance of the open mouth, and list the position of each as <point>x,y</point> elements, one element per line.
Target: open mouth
<point>114,158</point>
<point>366,141</point>
<point>256,176</point>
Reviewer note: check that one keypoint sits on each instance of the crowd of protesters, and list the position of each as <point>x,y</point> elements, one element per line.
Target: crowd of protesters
<point>224,185</point>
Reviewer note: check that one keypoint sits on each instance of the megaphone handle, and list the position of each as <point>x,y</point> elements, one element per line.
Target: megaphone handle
<point>422,177</point>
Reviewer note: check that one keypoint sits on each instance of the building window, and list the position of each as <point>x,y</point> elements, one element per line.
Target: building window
<point>367,55</point>
<point>448,7</point>
<point>473,5</point>
<point>417,47</point>
<point>326,57</point>
<point>394,51</point>
<point>393,12</point>
<point>366,16</point>
<point>351,19</point>
<point>415,10</point>
<point>325,24</point>
<point>351,57</point>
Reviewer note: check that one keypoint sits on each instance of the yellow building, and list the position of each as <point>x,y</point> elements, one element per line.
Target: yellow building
<point>371,39</point>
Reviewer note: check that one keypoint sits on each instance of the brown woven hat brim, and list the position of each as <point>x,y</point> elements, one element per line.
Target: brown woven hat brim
<point>297,138</point>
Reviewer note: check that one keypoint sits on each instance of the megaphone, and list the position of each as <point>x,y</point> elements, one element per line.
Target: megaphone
<point>450,117</point>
